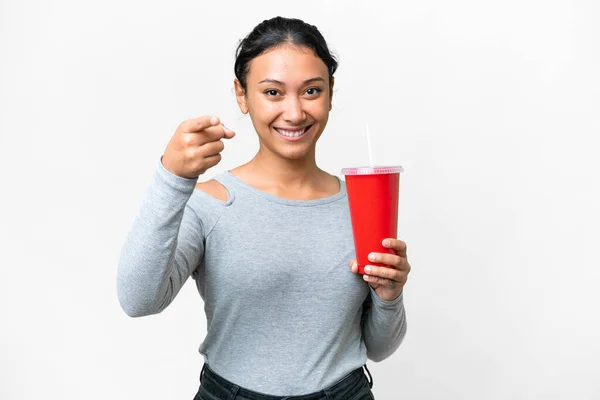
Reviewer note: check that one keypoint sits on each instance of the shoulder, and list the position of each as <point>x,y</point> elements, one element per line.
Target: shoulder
<point>214,189</point>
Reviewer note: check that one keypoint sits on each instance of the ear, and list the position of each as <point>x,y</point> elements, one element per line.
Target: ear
<point>332,79</point>
<point>240,94</point>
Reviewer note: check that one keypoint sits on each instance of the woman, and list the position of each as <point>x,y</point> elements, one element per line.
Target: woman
<point>269,243</point>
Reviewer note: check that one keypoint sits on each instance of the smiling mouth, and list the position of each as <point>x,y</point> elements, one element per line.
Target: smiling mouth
<point>293,133</point>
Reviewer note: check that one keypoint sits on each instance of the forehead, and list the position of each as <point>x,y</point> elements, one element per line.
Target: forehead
<point>287,63</point>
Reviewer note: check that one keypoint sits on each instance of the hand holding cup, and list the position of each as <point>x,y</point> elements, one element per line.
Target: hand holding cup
<point>389,280</point>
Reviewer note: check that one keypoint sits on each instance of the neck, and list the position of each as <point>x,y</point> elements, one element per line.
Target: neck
<point>287,173</point>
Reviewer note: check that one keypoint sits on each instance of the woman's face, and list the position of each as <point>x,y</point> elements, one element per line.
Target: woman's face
<point>288,97</point>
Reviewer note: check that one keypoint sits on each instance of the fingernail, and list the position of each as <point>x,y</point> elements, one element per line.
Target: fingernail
<point>372,257</point>
<point>226,128</point>
<point>366,277</point>
<point>214,120</point>
<point>386,243</point>
<point>368,269</point>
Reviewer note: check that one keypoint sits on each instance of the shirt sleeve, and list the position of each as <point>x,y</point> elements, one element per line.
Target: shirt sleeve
<point>162,248</point>
<point>383,325</point>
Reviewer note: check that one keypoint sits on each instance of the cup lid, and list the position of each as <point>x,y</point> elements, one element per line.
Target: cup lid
<point>372,170</point>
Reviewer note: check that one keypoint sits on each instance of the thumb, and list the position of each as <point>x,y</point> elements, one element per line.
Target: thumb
<point>354,266</point>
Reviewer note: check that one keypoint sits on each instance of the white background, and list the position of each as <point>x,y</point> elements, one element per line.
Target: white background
<point>493,109</point>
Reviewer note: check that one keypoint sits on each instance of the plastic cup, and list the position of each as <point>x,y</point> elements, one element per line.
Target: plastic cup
<point>373,199</point>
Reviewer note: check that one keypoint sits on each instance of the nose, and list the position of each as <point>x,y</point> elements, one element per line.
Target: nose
<point>293,111</point>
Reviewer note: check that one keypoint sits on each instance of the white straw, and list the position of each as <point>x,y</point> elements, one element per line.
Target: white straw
<point>369,146</point>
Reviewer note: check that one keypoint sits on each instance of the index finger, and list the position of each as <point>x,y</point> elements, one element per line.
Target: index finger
<point>397,245</point>
<point>212,134</point>
<point>199,124</point>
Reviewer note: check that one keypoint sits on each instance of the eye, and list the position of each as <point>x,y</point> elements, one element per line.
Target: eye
<point>271,92</point>
<point>313,91</point>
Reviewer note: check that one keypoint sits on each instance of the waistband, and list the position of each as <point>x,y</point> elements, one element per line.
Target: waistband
<point>222,388</point>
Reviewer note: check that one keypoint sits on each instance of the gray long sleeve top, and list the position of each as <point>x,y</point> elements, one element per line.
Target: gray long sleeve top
<point>285,315</point>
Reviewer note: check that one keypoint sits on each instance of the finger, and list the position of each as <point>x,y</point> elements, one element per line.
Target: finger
<point>212,148</point>
<point>388,259</point>
<point>380,281</point>
<point>211,161</point>
<point>199,124</point>
<point>228,132</point>
<point>353,266</point>
<point>395,244</point>
<point>210,134</point>
<point>384,272</point>
<point>216,132</point>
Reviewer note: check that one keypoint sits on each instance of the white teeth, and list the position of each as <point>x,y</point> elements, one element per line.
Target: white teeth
<point>291,133</point>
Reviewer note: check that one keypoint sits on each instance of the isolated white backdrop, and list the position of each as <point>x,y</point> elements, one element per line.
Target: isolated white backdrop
<point>491,107</point>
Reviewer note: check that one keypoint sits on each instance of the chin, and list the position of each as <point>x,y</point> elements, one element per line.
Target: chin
<point>293,155</point>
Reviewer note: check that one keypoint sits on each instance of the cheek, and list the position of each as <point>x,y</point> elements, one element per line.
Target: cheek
<point>262,110</point>
<point>320,109</point>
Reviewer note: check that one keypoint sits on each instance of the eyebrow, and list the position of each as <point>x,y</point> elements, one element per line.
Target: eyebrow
<point>275,81</point>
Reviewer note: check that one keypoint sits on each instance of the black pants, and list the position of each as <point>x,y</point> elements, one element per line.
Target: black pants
<point>355,386</point>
